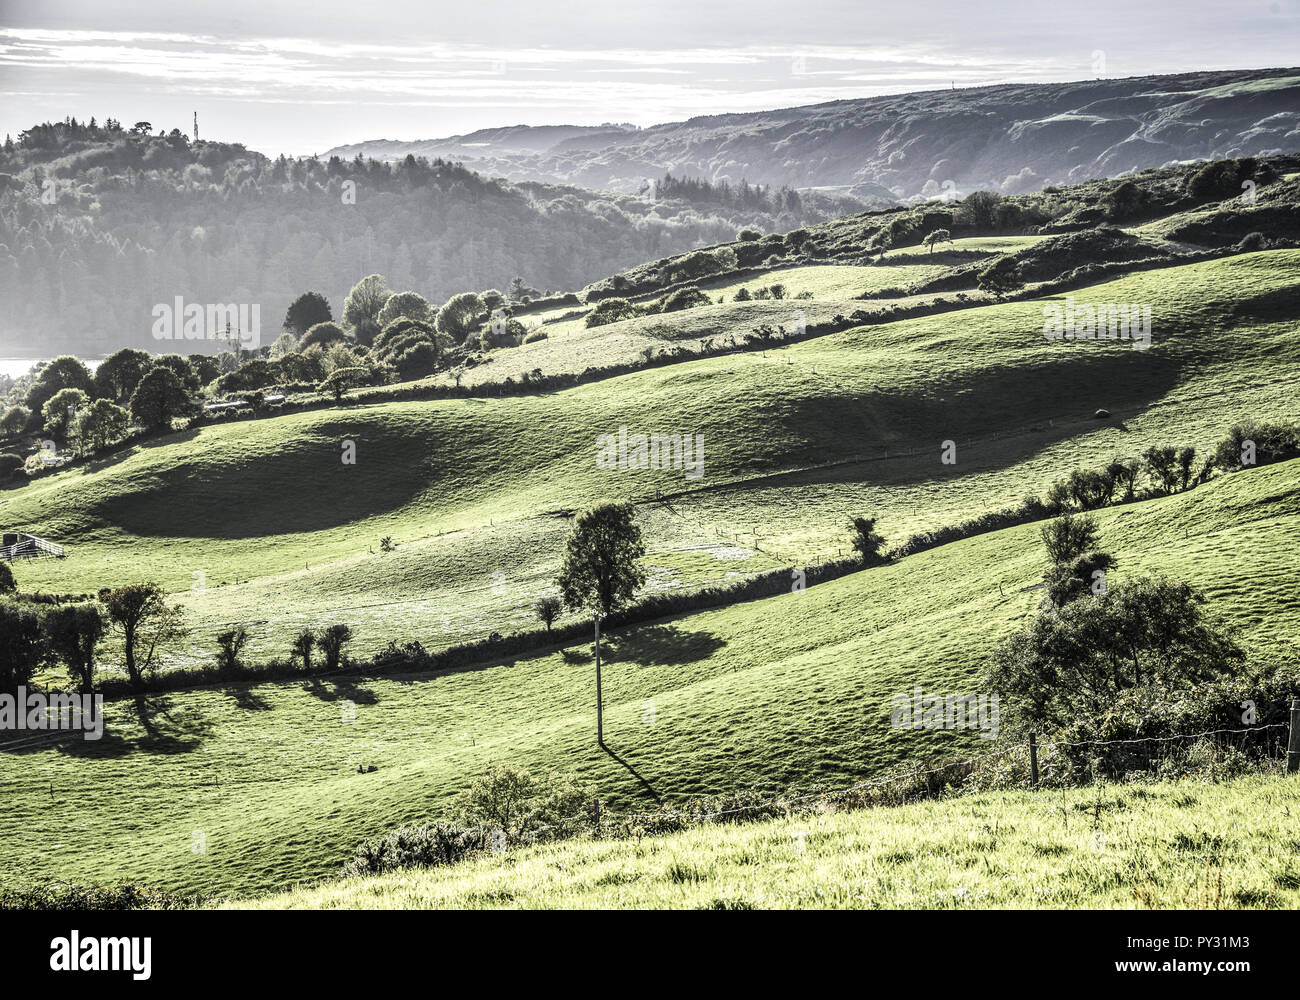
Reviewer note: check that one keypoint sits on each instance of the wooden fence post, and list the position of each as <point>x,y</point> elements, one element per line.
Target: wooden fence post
<point>1033,759</point>
<point>1293,743</point>
<point>597,811</point>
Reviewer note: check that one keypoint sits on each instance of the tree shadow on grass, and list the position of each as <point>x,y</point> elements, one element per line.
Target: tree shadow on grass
<point>665,645</point>
<point>244,696</point>
<point>339,689</point>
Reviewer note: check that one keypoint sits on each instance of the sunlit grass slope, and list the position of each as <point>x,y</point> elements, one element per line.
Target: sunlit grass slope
<point>789,691</point>
<point>262,523</point>
<point>1172,846</point>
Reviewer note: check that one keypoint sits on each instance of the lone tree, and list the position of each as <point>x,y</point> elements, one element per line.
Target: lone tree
<point>602,571</point>
<point>547,609</point>
<point>938,236</point>
<point>1001,278</point>
<point>140,614</point>
<point>868,543</point>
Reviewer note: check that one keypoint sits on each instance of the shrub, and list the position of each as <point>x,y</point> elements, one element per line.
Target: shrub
<point>22,645</point>
<point>1001,278</point>
<point>303,644</point>
<point>411,846</point>
<point>322,335</point>
<point>459,315</point>
<point>683,298</point>
<point>1068,537</point>
<point>1078,659</point>
<point>10,464</point>
<point>14,420</point>
<point>1221,179</point>
<point>67,897</point>
<point>1260,442</point>
<point>610,310</point>
<point>523,806</point>
<point>341,380</point>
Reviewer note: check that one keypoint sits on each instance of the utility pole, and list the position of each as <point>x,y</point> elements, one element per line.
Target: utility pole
<point>196,126</point>
<point>600,714</point>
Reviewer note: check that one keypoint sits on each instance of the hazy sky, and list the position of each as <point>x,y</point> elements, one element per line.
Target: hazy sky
<point>300,76</point>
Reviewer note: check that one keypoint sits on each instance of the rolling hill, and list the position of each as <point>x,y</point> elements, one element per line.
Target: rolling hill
<point>238,788</point>
<point>1010,138</point>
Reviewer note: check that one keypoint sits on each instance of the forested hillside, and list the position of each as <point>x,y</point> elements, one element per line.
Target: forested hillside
<point>98,223</point>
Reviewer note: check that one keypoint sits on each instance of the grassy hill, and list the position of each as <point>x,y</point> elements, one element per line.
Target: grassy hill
<point>260,522</point>
<point>1176,846</point>
<point>789,691</point>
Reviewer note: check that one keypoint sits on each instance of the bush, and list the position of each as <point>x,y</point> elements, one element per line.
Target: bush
<point>1272,442</point>
<point>1077,660</point>
<point>522,806</point>
<point>610,310</point>
<point>428,844</point>
<point>1221,179</point>
<point>10,464</point>
<point>683,298</point>
<point>14,420</point>
<point>80,898</point>
<point>322,335</point>
<point>341,380</point>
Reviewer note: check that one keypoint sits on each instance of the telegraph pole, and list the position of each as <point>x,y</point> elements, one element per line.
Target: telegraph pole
<point>600,714</point>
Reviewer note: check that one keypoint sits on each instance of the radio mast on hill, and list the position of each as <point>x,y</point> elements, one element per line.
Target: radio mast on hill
<point>196,126</point>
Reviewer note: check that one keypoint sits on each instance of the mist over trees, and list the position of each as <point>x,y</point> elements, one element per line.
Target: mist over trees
<point>99,224</point>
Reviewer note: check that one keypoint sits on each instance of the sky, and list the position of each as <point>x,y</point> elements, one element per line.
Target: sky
<point>302,76</point>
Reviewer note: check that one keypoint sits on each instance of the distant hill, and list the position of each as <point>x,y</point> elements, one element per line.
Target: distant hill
<point>1010,138</point>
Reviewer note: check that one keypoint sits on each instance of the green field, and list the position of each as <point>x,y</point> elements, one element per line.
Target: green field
<point>1172,846</point>
<point>260,522</point>
<point>236,790</point>
<point>789,691</point>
